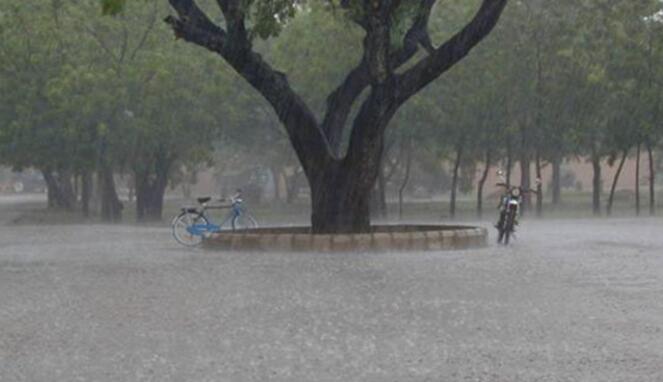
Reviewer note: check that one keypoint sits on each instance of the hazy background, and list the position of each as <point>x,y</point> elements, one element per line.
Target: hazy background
<point>100,110</point>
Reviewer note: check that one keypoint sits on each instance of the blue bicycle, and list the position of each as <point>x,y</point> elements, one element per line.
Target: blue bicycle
<point>193,224</point>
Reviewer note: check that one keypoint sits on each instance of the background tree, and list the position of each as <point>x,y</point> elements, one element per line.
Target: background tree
<point>84,94</point>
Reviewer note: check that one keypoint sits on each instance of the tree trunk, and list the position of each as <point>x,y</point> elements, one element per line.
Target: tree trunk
<point>525,183</point>
<point>75,186</point>
<point>652,181</point>
<point>382,193</point>
<point>52,190</point>
<point>111,207</point>
<point>283,176</point>
<point>341,188</point>
<point>154,208</point>
<point>454,180</point>
<point>150,189</point>
<point>539,186</point>
<point>132,191</point>
<point>596,184</point>
<point>59,188</point>
<point>141,194</point>
<point>406,178</point>
<point>292,186</point>
<point>86,192</point>
<point>481,184</point>
<point>149,200</point>
<point>95,197</point>
<point>614,182</point>
<point>556,180</point>
<point>276,176</point>
<point>637,180</point>
<point>340,200</point>
<point>66,181</point>
<point>509,162</point>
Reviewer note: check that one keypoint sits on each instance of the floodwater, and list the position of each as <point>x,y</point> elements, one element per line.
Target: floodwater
<point>570,300</point>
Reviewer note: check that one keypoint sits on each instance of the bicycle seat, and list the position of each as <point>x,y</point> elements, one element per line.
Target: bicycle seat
<point>203,200</point>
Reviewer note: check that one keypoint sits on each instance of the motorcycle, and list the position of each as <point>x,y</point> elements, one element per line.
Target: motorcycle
<point>509,207</point>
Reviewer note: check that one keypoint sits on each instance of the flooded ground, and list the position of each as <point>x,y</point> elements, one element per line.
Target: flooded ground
<point>571,300</point>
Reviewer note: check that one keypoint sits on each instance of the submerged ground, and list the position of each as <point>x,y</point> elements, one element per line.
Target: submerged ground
<point>571,300</point>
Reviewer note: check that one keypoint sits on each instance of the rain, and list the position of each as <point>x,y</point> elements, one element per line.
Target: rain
<point>331,190</point>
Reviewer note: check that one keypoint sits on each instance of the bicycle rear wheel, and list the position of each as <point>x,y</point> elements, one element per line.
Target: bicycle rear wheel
<point>244,221</point>
<point>182,231</point>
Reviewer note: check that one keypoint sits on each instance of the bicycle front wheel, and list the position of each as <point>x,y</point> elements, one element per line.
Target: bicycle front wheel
<point>182,228</point>
<point>244,221</point>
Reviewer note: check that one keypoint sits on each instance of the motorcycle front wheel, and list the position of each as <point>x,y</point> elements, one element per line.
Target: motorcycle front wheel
<point>500,227</point>
<point>508,226</point>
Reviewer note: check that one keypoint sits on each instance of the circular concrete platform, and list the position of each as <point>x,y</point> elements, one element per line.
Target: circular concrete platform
<point>382,239</point>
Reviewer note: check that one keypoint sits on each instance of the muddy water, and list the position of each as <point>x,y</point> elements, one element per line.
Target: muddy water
<point>569,301</point>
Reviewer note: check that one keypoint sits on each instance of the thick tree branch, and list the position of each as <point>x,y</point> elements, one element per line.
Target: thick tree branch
<point>377,41</point>
<point>234,46</point>
<point>388,91</point>
<point>418,33</point>
<point>367,137</point>
<point>194,26</point>
<point>452,51</point>
<point>339,104</point>
<point>340,101</point>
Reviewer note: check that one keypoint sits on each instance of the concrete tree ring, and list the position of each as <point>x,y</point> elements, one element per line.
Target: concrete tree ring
<point>385,238</point>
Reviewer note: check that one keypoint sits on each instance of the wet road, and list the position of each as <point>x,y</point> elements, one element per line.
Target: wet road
<point>569,301</point>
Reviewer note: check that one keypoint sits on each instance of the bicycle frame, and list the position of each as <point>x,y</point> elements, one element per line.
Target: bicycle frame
<point>210,227</point>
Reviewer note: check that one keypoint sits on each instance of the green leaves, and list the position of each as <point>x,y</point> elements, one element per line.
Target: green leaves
<point>265,18</point>
<point>269,17</point>
<point>77,80</point>
<point>112,7</point>
<point>403,19</point>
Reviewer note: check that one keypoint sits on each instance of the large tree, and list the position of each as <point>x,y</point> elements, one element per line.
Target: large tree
<point>341,180</point>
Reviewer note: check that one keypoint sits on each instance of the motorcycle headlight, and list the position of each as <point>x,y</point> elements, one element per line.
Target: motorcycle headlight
<point>515,192</point>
